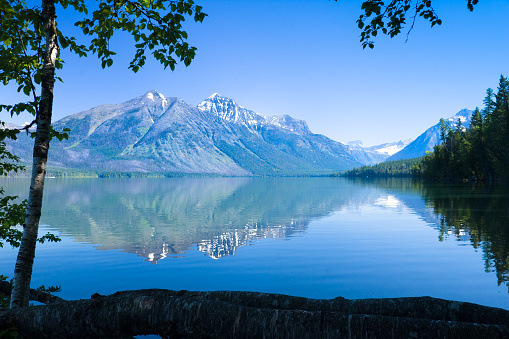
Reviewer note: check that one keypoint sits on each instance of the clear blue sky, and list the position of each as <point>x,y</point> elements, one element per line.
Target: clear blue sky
<point>304,58</point>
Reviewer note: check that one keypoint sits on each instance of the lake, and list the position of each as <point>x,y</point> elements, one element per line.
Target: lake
<point>311,237</point>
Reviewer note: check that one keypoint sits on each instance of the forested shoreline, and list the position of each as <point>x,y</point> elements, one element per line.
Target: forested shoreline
<point>479,153</point>
<point>399,168</point>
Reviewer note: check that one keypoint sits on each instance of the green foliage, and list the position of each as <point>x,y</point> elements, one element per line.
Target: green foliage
<point>154,25</point>
<point>11,213</point>
<point>69,173</point>
<point>390,18</point>
<point>398,168</point>
<point>49,289</point>
<point>21,51</point>
<point>479,153</point>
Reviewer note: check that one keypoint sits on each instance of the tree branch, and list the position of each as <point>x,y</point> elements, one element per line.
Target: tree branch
<point>35,295</point>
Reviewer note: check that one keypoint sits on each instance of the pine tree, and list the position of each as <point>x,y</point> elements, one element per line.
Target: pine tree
<point>498,130</point>
<point>489,105</point>
<point>478,156</point>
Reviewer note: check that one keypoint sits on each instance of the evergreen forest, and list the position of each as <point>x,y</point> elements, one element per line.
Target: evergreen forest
<point>404,168</point>
<point>479,153</point>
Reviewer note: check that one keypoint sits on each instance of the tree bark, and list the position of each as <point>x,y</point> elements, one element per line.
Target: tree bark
<point>183,314</point>
<point>26,254</point>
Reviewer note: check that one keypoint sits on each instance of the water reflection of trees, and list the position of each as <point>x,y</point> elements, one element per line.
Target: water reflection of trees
<point>477,213</point>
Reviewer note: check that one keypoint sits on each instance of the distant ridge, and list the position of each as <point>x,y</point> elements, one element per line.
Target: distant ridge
<point>431,137</point>
<point>387,149</point>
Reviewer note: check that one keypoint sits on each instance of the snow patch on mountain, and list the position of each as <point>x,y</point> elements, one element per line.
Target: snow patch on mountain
<point>229,110</point>
<point>387,149</point>
<point>355,143</point>
<point>155,96</point>
<point>289,123</point>
<point>213,96</point>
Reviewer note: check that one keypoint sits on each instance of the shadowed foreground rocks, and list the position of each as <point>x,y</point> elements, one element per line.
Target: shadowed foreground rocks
<point>225,314</point>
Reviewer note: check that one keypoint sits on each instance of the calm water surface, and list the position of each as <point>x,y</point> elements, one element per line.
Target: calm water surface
<point>312,237</point>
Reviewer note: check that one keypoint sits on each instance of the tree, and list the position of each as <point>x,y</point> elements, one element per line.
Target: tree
<point>25,59</point>
<point>392,17</point>
<point>498,130</point>
<point>478,156</point>
<point>489,104</point>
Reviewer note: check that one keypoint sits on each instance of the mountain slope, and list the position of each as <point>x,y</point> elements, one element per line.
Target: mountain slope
<point>227,109</point>
<point>390,148</point>
<point>431,137</point>
<point>153,133</point>
<point>375,154</point>
<point>290,136</point>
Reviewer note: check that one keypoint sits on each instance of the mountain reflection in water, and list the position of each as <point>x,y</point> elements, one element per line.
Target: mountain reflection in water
<point>158,218</point>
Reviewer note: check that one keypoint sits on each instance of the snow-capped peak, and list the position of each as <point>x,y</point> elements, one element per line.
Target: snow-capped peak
<point>155,95</point>
<point>214,96</point>
<point>229,110</point>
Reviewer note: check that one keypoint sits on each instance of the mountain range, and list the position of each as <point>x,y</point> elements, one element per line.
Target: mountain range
<point>153,133</point>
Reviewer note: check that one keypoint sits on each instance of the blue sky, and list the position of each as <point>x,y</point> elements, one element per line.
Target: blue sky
<point>304,58</point>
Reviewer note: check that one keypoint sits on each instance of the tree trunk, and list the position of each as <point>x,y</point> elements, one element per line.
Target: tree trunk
<point>225,314</point>
<point>26,254</point>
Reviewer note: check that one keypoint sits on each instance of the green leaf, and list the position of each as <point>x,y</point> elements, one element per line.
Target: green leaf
<point>26,90</point>
<point>63,42</point>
